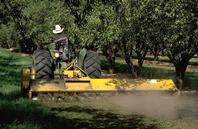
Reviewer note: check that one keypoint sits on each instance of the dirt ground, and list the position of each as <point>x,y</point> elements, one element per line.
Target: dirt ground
<point>170,111</point>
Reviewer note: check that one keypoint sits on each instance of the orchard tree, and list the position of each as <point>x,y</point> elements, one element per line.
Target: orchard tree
<point>13,10</point>
<point>109,33</point>
<point>7,34</point>
<point>43,16</point>
<point>141,29</point>
<point>124,13</point>
<point>181,37</point>
<point>34,21</point>
<point>98,27</point>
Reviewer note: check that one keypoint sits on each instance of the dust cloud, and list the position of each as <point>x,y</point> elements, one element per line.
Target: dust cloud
<point>158,105</point>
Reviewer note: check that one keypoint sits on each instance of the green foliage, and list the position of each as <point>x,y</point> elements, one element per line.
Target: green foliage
<point>7,34</point>
<point>180,18</point>
<point>35,20</point>
<point>129,25</point>
<point>42,16</point>
<point>101,27</point>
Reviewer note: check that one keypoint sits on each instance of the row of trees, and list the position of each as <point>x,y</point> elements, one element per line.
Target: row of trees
<point>112,26</point>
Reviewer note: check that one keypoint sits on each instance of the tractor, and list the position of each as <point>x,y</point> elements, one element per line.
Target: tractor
<point>55,71</point>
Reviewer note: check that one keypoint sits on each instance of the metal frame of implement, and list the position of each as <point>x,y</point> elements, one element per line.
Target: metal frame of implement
<point>72,81</point>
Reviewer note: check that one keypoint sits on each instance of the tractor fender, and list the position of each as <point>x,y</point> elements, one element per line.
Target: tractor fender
<point>81,57</point>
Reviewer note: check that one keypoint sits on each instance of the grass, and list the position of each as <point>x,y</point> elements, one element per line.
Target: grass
<point>10,66</point>
<point>17,112</point>
<point>26,114</point>
<point>20,113</point>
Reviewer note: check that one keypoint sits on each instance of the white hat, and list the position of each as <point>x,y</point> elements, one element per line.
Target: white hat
<point>58,29</point>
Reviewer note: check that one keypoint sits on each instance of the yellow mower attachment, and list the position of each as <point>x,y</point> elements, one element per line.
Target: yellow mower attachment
<point>72,81</point>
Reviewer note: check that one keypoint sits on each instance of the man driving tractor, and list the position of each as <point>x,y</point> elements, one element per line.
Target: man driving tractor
<point>62,48</point>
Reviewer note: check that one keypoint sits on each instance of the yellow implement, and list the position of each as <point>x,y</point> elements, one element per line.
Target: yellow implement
<point>73,81</point>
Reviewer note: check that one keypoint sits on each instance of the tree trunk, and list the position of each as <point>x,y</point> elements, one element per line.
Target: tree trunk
<point>130,66</point>
<point>141,56</point>
<point>127,57</point>
<point>111,61</point>
<point>140,63</point>
<point>27,46</point>
<point>156,58</point>
<point>180,69</point>
<point>110,55</point>
<point>112,65</point>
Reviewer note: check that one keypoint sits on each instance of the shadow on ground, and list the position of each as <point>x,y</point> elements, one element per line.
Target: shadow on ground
<point>10,68</point>
<point>10,96</point>
<point>24,111</point>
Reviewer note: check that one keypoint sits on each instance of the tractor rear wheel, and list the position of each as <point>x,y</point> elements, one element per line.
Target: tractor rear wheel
<point>43,64</point>
<point>92,65</point>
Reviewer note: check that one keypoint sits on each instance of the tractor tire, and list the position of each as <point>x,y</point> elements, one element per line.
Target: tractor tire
<point>91,64</point>
<point>43,64</point>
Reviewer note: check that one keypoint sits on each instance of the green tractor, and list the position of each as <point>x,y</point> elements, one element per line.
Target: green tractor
<point>56,71</point>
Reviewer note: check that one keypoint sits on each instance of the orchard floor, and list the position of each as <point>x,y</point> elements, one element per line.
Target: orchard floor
<point>100,111</point>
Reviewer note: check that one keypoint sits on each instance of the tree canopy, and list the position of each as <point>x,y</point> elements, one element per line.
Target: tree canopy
<point>112,26</point>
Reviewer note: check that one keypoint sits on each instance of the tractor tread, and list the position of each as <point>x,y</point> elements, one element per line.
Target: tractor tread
<point>43,64</point>
<point>92,64</point>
